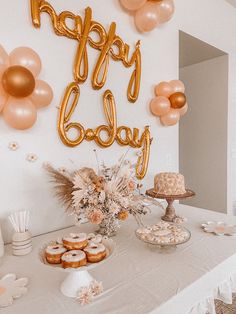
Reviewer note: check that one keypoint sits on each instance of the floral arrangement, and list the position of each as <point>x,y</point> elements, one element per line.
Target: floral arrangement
<point>104,198</point>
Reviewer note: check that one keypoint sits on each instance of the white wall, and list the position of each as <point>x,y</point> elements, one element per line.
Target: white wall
<point>203,133</point>
<point>24,185</point>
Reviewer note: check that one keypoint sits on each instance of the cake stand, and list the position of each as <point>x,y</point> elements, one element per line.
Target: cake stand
<point>77,277</point>
<point>170,213</point>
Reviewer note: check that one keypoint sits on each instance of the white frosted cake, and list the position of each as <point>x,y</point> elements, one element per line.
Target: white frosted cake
<point>169,183</point>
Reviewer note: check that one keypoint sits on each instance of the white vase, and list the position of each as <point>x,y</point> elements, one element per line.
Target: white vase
<point>21,243</point>
<point>1,244</point>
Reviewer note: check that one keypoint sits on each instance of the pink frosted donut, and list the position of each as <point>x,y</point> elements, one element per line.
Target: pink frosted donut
<point>95,252</point>
<point>75,241</point>
<point>73,259</point>
<point>53,253</point>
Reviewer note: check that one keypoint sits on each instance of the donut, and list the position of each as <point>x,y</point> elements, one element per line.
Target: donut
<point>73,259</point>
<point>92,238</point>
<point>53,253</point>
<point>75,241</point>
<point>95,252</point>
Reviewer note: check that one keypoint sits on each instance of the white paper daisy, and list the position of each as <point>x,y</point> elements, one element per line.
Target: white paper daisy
<point>11,288</point>
<point>13,146</point>
<point>31,157</point>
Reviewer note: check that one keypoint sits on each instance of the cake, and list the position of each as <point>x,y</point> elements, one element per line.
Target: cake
<point>169,183</point>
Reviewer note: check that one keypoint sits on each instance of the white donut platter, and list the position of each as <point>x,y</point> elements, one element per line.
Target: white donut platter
<point>77,277</point>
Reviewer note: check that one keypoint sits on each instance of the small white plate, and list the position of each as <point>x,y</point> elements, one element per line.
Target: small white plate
<point>219,228</point>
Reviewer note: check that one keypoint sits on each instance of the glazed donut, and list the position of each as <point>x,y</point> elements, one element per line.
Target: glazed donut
<point>73,259</point>
<point>53,253</point>
<point>95,252</point>
<point>92,238</point>
<point>75,241</point>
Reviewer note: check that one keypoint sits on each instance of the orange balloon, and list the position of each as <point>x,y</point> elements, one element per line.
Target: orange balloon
<point>146,18</point>
<point>183,110</point>
<point>4,60</point>
<point>177,86</point>
<point>177,100</point>
<point>163,89</point>
<point>27,58</point>
<point>166,9</point>
<point>18,81</point>
<point>132,5</point>
<point>159,106</point>
<point>42,94</point>
<point>171,118</point>
<point>20,114</point>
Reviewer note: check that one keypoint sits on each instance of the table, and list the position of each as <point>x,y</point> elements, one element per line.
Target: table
<point>139,279</point>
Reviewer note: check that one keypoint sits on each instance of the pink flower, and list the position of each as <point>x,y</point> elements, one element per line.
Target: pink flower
<point>131,185</point>
<point>85,296</point>
<point>96,287</point>
<point>96,216</point>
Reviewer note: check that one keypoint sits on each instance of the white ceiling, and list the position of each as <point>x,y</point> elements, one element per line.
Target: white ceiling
<point>192,50</point>
<point>233,2</point>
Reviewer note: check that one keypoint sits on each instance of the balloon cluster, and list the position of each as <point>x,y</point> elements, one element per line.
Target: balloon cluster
<point>170,103</point>
<point>148,14</point>
<point>20,92</point>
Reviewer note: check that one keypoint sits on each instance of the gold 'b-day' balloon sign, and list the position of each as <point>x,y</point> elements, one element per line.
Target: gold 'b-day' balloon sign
<point>109,45</point>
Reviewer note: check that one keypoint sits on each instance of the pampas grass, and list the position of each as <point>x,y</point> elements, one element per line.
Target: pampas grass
<point>63,187</point>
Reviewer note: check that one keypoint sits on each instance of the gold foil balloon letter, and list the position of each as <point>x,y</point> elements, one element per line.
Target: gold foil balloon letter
<point>81,32</point>
<point>109,46</point>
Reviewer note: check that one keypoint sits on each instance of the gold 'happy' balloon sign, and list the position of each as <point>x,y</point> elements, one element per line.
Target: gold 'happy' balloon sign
<point>109,45</point>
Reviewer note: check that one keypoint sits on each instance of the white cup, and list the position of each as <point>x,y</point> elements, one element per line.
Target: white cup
<point>21,243</point>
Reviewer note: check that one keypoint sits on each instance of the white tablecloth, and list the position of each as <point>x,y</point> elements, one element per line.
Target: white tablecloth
<point>138,279</point>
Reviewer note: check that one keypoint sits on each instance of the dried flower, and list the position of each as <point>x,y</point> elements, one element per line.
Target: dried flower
<point>123,215</point>
<point>96,216</point>
<point>131,185</point>
<point>96,287</point>
<point>85,296</point>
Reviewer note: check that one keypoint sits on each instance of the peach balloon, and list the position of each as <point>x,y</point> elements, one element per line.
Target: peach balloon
<point>20,114</point>
<point>171,118</point>
<point>163,89</point>
<point>146,18</point>
<point>132,5</point>
<point>177,86</point>
<point>166,9</point>
<point>183,110</point>
<point>159,106</point>
<point>3,98</point>
<point>27,58</point>
<point>42,94</point>
<point>4,60</point>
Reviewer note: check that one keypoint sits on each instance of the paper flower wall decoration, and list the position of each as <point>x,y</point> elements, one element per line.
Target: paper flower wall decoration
<point>170,103</point>
<point>148,14</point>
<point>11,288</point>
<point>21,93</point>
